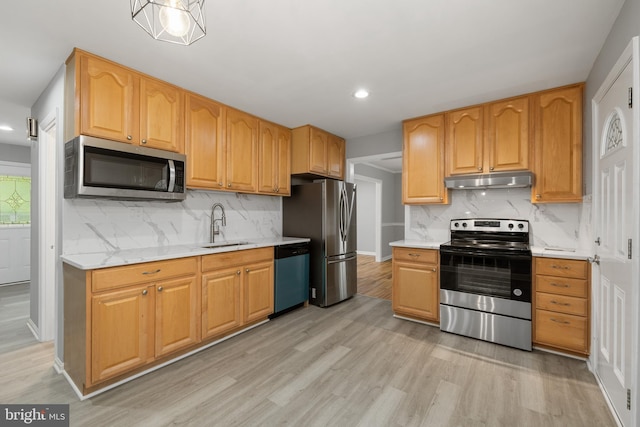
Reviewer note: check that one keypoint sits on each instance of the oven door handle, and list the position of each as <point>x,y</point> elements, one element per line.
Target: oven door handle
<point>481,253</point>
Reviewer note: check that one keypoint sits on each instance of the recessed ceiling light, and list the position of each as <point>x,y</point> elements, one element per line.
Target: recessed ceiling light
<point>361,93</point>
<point>6,128</point>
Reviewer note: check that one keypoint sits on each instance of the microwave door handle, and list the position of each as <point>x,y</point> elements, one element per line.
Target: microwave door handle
<point>172,176</point>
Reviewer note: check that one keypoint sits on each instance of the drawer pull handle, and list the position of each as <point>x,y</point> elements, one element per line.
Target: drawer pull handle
<point>560,285</point>
<point>414,255</point>
<point>563,322</point>
<point>564,304</point>
<point>561,267</point>
<point>152,272</point>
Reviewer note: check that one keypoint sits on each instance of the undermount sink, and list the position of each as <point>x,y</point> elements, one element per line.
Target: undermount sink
<point>223,244</point>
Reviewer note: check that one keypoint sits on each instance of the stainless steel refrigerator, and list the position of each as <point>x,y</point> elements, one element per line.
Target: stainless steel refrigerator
<point>325,211</point>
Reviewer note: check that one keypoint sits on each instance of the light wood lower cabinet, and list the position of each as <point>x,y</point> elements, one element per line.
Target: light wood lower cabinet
<point>561,305</point>
<point>415,288</point>
<point>237,289</point>
<point>123,320</point>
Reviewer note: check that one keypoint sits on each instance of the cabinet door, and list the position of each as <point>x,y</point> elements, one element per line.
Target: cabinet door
<point>335,157</point>
<point>507,142</point>
<point>122,324</point>
<point>258,291</point>
<point>318,143</point>
<point>108,100</point>
<point>161,115</point>
<point>241,151</point>
<point>204,142</point>
<point>423,161</point>
<point>558,146</point>
<point>268,158</point>
<point>177,314</point>
<point>415,290</point>
<point>221,308</point>
<point>284,162</point>
<point>465,135</point>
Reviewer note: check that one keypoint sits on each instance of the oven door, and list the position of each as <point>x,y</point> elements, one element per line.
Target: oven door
<point>500,274</point>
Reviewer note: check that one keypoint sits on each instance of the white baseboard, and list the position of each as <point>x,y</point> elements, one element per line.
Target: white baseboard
<point>366,253</point>
<point>58,365</point>
<point>608,400</point>
<point>34,329</point>
<point>386,258</point>
<point>417,321</point>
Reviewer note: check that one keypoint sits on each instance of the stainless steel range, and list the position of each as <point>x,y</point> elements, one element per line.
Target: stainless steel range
<point>485,281</point>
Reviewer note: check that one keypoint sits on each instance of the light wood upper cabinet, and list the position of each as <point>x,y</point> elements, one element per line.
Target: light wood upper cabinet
<point>121,331</point>
<point>161,115</point>
<point>423,160</point>
<point>119,104</point>
<point>241,141</point>
<point>507,139</point>
<point>274,159</point>
<point>557,162</point>
<point>204,122</point>
<point>108,100</point>
<point>464,140</point>
<point>416,286</point>
<point>316,152</point>
<point>335,157</point>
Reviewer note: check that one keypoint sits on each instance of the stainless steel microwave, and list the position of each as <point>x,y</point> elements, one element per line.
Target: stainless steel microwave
<point>101,168</point>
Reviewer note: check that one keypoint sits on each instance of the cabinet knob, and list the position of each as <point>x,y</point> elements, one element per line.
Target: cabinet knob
<point>433,269</point>
<point>247,270</point>
<point>220,184</point>
<point>129,137</point>
<point>491,168</point>
<point>238,272</point>
<point>480,168</point>
<point>229,185</point>
<point>538,196</point>
<point>144,292</point>
<point>144,141</point>
<point>159,288</point>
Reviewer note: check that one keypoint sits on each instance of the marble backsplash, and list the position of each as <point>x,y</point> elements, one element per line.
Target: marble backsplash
<point>94,225</point>
<point>565,225</point>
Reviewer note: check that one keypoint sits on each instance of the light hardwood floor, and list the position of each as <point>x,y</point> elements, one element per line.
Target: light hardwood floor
<point>374,278</point>
<point>348,365</point>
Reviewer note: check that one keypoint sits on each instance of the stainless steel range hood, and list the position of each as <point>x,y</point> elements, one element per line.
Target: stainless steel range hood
<point>493,180</point>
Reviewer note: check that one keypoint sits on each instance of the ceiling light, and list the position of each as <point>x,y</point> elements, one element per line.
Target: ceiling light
<point>6,128</point>
<point>361,93</point>
<point>173,21</point>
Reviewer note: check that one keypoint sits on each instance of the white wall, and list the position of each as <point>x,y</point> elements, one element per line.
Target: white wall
<point>15,153</point>
<point>366,219</point>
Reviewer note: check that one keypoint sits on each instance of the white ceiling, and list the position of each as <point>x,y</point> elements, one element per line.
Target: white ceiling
<point>298,61</point>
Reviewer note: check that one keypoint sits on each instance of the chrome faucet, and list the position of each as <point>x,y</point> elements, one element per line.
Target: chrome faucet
<point>215,228</point>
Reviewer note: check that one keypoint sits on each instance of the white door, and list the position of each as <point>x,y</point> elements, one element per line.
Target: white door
<point>614,226</point>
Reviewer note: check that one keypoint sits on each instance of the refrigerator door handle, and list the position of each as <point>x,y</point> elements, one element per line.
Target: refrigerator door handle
<point>350,213</point>
<point>337,261</point>
<point>342,206</point>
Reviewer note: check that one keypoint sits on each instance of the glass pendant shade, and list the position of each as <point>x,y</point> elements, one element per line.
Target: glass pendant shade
<point>173,21</point>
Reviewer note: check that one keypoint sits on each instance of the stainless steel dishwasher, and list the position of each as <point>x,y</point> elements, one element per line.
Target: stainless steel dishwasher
<point>291,276</point>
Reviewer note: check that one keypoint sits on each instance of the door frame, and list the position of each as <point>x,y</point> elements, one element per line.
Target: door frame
<point>631,53</point>
<point>378,212</point>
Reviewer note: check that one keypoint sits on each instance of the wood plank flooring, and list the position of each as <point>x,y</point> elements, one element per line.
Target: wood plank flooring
<point>374,278</point>
<point>352,364</point>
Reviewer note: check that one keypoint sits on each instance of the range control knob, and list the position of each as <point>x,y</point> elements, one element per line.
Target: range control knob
<point>510,226</point>
<point>517,292</point>
<point>520,226</point>
<point>456,225</point>
<point>464,224</point>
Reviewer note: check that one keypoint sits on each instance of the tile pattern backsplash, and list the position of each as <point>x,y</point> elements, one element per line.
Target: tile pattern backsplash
<point>94,225</point>
<point>566,225</point>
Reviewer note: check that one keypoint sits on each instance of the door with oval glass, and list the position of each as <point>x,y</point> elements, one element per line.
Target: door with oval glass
<point>615,226</point>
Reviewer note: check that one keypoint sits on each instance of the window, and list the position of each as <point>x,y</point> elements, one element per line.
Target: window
<point>15,199</point>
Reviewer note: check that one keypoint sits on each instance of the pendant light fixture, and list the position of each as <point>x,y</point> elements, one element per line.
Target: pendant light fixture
<point>173,21</point>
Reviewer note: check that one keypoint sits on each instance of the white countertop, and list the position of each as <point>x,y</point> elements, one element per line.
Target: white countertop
<point>568,253</point>
<point>90,261</point>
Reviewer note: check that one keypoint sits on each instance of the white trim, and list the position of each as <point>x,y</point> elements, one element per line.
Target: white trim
<point>154,368</point>
<point>34,329</point>
<point>378,212</point>
<point>393,224</point>
<point>369,253</point>
<point>559,353</point>
<point>386,258</point>
<point>371,165</point>
<point>47,185</point>
<point>416,321</point>
<point>607,400</point>
<point>58,365</point>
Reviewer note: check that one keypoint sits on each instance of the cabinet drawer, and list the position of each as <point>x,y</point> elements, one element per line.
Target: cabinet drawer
<point>425,256</point>
<point>561,303</point>
<point>117,277</point>
<point>562,331</point>
<point>561,286</point>
<point>562,267</point>
<point>228,259</point>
